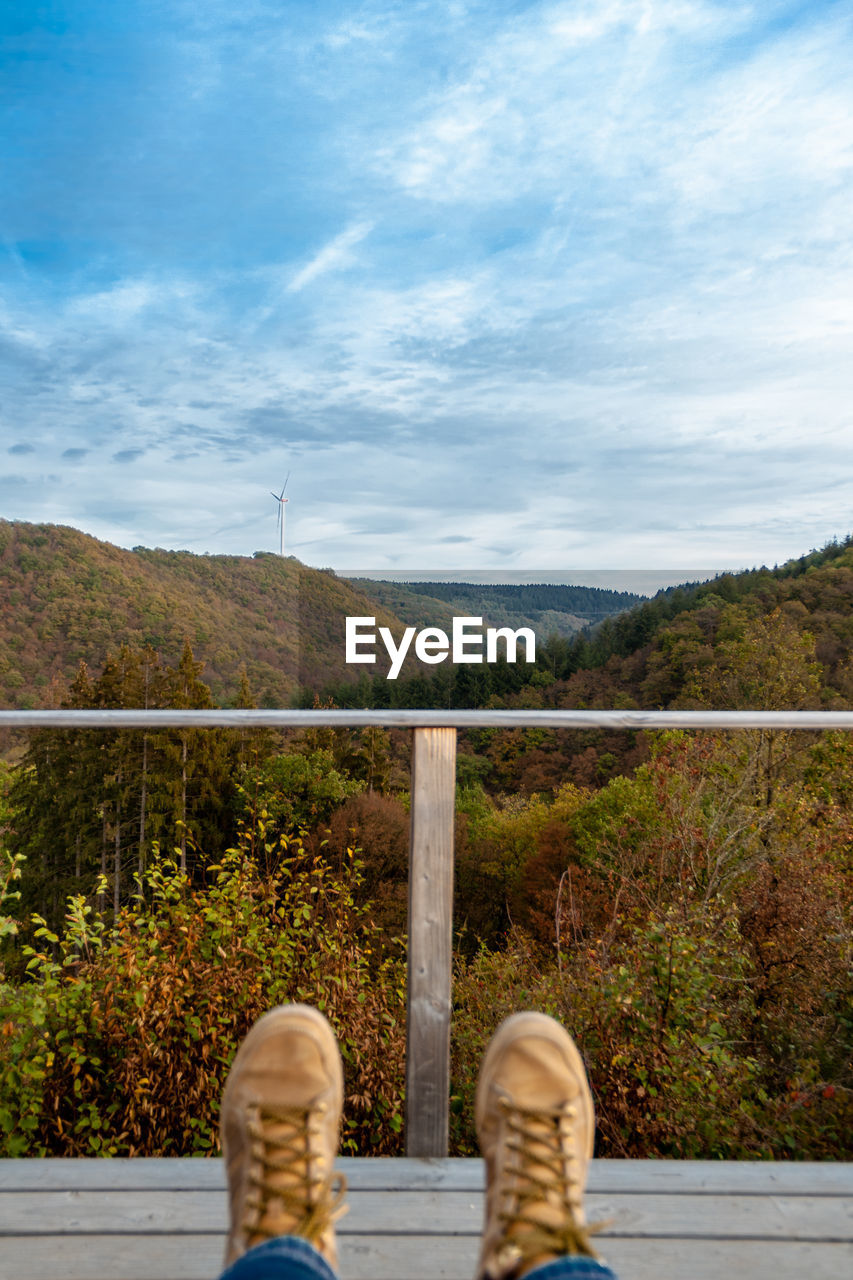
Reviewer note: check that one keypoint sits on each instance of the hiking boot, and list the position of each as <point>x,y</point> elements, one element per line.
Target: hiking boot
<point>281,1114</point>
<point>536,1126</point>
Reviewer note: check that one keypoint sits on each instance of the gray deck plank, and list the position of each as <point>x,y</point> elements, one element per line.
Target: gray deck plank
<point>606,1176</point>
<point>415,1258</point>
<point>420,1219</point>
<point>433,1213</point>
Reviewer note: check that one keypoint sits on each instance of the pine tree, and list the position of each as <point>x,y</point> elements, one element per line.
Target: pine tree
<point>202,781</point>
<point>86,802</point>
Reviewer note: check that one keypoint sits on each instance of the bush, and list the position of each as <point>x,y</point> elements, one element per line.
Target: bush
<point>119,1043</point>
<point>664,1015</point>
<point>486,989</point>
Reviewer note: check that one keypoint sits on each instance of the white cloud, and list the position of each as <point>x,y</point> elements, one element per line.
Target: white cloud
<point>639,96</point>
<point>332,257</point>
<point>607,315</point>
<point>126,300</point>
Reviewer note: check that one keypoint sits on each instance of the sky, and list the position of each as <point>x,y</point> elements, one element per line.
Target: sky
<point>501,285</point>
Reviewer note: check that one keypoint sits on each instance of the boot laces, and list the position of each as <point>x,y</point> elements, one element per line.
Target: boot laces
<point>541,1168</point>
<point>292,1192</point>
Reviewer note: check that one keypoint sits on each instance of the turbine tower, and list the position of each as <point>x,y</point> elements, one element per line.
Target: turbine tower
<point>282,502</point>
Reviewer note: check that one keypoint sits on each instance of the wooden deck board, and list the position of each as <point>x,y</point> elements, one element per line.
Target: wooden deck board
<point>433,1213</point>
<point>420,1219</point>
<point>141,1257</point>
<point>754,1177</point>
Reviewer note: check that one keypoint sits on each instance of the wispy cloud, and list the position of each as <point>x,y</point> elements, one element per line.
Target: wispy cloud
<point>538,284</point>
<point>334,256</point>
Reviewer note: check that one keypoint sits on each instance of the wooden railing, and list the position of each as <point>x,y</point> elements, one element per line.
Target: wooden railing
<point>431,844</point>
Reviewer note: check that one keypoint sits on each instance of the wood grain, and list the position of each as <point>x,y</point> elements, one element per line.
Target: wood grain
<point>420,1219</point>
<point>414,1258</point>
<point>438,1213</point>
<point>430,957</point>
<point>607,1177</point>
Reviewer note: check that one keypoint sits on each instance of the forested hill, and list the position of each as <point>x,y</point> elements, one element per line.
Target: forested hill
<point>660,652</point>
<point>67,598</point>
<point>764,638</point>
<point>548,608</point>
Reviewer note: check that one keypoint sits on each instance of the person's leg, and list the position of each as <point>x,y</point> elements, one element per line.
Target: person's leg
<point>536,1127</point>
<point>283,1258</point>
<point>281,1112</point>
<point>572,1267</point>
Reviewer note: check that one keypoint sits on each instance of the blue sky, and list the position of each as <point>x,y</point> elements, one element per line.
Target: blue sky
<point>502,285</point>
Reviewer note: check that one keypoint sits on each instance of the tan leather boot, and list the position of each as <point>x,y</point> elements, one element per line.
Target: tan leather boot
<point>536,1125</point>
<point>280,1124</point>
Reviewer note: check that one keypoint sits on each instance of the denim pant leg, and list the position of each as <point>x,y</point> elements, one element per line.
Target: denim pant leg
<point>574,1267</point>
<point>291,1258</point>
<point>284,1258</point>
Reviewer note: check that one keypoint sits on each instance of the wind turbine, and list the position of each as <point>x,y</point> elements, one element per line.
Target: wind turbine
<point>282,502</point>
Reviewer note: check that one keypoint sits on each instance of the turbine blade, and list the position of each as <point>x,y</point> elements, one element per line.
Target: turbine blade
<point>285,484</point>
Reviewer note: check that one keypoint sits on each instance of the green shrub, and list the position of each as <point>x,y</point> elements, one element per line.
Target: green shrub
<point>119,1043</point>
<point>665,1017</point>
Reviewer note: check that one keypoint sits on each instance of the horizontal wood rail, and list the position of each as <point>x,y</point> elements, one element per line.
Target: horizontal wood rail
<point>435,719</point>
<point>431,841</point>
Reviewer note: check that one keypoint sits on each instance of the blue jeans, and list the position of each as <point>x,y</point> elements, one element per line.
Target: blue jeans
<point>291,1258</point>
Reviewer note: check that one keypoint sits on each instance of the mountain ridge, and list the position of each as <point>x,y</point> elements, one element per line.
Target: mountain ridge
<point>70,598</point>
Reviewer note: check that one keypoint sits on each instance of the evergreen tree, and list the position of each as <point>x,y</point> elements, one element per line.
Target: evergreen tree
<point>86,802</point>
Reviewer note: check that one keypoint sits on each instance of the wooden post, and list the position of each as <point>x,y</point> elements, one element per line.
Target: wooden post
<point>430,941</point>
